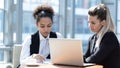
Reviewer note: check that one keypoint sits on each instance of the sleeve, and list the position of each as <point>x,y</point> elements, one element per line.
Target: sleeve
<point>59,35</point>
<point>25,52</point>
<point>87,53</point>
<point>108,44</point>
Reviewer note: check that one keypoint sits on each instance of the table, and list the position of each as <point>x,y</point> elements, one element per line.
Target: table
<point>61,66</point>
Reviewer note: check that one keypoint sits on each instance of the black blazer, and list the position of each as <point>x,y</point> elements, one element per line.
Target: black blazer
<point>107,54</point>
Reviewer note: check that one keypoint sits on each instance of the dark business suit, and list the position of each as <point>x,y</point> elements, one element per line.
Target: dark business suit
<point>108,52</point>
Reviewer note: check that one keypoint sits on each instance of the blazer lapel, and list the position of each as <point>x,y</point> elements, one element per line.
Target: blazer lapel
<point>93,41</point>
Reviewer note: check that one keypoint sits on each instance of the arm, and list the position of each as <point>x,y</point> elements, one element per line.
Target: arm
<point>87,53</point>
<point>25,52</point>
<point>107,45</point>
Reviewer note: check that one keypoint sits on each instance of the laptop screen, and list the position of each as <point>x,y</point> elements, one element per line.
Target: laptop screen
<point>66,51</point>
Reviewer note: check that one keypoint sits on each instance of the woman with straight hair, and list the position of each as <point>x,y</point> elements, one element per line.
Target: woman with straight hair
<point>103,46</point>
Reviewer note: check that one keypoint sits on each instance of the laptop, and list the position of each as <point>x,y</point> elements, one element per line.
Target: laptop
<point>66,51</point>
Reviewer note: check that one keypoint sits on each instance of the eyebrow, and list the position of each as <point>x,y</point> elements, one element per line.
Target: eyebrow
<point>44,24</point>
<point>41,24</point>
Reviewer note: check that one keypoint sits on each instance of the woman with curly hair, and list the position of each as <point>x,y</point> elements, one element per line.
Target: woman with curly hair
<point>36,46</point>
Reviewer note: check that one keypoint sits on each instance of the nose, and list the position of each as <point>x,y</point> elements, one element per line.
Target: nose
<point>46,29</point>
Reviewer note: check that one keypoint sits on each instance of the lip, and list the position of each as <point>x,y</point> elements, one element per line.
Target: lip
<point>46,33</point>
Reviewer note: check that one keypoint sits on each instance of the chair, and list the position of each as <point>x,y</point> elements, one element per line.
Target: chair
<point>16,55</point>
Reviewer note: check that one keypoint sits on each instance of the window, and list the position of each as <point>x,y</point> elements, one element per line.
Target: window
<point>118,17</point>
<point>1,27</point>
<point>1,19</point>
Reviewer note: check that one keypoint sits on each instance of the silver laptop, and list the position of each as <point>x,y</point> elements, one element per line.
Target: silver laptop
<point>66,51</point>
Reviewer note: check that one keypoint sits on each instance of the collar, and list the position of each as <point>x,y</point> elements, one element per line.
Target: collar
<point>43,38</point>
<point>97,35</point>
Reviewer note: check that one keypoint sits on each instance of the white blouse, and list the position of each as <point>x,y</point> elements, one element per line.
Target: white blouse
<point>44,49</point>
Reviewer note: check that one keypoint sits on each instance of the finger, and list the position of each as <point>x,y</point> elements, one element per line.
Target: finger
<point>41,58</point>
<point>38,57</point>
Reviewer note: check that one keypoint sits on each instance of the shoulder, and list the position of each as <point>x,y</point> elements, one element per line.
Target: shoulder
<point>110,38</point>
<point>109,35</point>
<point>59,35</point>
<point>35,34</point>
<point>56,34</point>
<point>91,37</point>
<point>27,41</point>
<point>27,38</point>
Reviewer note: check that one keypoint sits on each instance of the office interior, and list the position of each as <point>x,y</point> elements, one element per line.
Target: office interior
<point>17,22</point>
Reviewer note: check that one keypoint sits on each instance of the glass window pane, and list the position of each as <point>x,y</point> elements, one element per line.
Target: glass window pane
<point>1,4</point>
<point>1,25</point>
<point>1,28</point>
<point>1,34</point>
<point>118,18</point>
<point>81,21</point>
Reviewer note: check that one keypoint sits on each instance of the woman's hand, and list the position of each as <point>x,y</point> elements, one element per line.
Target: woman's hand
<point>38,57</point>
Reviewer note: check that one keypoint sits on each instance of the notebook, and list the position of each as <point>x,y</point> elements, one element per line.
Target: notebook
<point>66,52</point>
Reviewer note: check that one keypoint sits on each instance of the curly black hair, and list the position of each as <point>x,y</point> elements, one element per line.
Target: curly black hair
<point>43,11</point>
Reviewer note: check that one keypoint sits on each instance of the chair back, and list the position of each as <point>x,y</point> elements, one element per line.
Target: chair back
<point>16,55</point>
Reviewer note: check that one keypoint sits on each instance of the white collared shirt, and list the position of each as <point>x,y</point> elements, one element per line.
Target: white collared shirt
<point>43,48</point>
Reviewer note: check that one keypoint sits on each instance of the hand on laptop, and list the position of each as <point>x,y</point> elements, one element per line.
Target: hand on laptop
<point>38,57</point>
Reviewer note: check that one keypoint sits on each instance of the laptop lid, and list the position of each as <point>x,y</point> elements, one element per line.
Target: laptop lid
<point>66,51</point>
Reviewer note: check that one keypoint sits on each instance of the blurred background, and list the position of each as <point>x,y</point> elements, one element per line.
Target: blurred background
<point>16,21</point>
